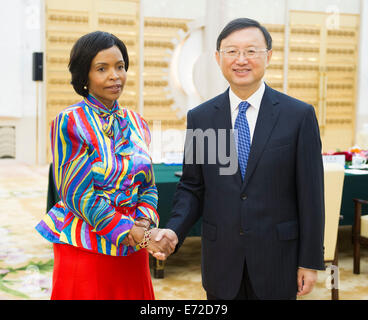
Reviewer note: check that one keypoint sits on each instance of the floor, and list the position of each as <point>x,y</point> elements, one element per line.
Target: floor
<point>26,259</point>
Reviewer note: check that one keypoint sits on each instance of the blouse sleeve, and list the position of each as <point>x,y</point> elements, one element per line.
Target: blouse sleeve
<point>74,182</point>
<point>147,192</point>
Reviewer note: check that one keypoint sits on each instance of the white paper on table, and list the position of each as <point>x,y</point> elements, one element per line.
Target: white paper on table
<point>338,158</point>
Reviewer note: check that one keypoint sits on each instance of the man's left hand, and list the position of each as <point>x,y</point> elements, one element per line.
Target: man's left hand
<point>306,280</point>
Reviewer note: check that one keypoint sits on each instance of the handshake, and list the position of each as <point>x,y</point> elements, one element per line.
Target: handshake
<point>159,242</point>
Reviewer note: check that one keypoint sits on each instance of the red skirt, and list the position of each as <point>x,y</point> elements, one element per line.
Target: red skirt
<point>80,274</point>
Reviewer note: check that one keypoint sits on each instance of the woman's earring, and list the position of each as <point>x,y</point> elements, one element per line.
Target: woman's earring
<point>85,88</point>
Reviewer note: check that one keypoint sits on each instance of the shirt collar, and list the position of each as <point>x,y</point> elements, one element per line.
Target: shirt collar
<point>254,100</point>
<point>99,107</point>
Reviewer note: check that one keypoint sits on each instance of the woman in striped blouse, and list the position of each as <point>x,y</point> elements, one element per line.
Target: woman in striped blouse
<point>103,173</point>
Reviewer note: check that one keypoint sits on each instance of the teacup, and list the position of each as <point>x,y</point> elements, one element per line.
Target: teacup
<point>358,161</point>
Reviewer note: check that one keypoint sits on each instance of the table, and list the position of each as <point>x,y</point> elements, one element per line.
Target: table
<point>166,182</point>
<point>355,186</point>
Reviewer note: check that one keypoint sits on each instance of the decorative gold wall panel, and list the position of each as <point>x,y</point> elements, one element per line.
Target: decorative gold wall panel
<point>160,36</point>
<point>68,20</point>
<point>275,72</point>
<point>322,71</point>
<point>321,62</point>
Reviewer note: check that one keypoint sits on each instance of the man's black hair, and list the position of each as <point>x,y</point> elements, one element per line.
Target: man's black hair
<point>243,23</point>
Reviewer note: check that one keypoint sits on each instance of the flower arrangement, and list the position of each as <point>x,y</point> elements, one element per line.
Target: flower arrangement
<point>356,150</point>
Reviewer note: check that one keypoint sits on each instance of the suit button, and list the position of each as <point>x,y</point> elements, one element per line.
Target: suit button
<point>244,197</point>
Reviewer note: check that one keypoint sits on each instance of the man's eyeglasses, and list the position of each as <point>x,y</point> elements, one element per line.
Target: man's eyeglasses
<point>249,53</point>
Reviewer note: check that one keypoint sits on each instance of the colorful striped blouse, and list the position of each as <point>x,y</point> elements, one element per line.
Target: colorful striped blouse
<point>104,177</point>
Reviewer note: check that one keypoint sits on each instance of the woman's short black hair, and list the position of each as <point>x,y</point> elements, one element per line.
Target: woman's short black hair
<point>83,52</point>
<point>243,23</point>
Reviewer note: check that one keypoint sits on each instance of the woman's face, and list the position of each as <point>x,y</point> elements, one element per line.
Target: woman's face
<point>107,76</point>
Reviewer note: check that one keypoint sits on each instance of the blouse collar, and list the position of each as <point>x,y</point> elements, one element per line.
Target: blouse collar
<point>99,107</point>
<point>114,123</point>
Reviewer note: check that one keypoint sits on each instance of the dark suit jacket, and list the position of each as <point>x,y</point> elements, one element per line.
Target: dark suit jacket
<point>275,218</point>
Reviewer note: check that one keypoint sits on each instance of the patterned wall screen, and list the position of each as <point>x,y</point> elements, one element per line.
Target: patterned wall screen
<point>160,36</point>
<point>321,65</point>
<point>67,20</point>
<point>275,72</point>
<point>323,52</point>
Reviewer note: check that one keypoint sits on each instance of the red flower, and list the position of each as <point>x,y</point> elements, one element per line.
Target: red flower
<point>348,155</point>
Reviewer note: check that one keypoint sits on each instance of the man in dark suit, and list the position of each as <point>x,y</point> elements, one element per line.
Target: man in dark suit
<point>262,226</point>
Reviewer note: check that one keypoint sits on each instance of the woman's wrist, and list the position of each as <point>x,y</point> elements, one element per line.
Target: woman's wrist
<point>143,221</point>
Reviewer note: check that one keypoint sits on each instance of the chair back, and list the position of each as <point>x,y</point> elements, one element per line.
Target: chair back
<point>334,181</point>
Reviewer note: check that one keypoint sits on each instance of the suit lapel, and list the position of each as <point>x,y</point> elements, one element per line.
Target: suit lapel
<point>222,117</point>
<point>267,117</point>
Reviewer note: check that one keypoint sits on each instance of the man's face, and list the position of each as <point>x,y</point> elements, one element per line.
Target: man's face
<point>244,73</point>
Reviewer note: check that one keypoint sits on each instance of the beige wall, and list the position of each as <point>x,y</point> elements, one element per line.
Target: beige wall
<point>22,32</point>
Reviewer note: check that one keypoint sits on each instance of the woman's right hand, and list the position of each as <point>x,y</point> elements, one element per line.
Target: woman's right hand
<point>129,240</point>
<point>135,235</point>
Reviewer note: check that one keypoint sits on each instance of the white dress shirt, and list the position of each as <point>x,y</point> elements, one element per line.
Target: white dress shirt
<point>252,112</point>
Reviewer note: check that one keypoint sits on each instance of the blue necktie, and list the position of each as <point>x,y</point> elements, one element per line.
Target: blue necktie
<point>243,145</point>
